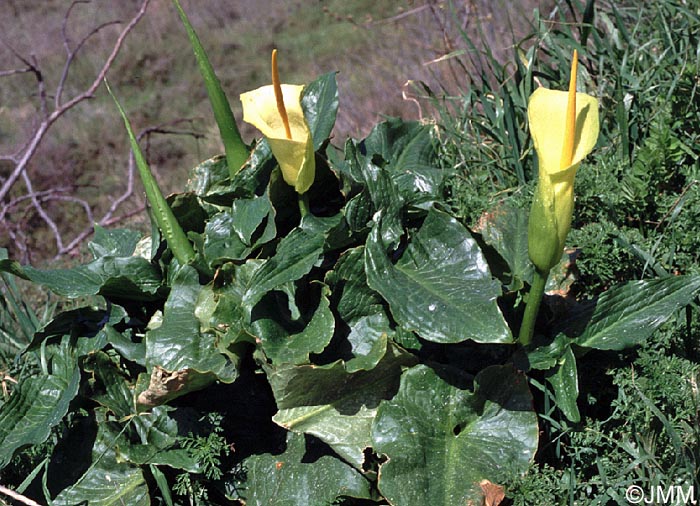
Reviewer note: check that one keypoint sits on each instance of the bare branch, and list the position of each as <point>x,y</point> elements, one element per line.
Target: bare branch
<point>5,73</point>
<point>39,209</point>
<point>108,217</point>
<point>71,53</point>
<point>24,158</point>
<point>17,497</point>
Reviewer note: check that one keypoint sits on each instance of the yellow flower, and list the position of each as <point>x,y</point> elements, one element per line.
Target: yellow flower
<point>276,111</point>
<point>564,128</point>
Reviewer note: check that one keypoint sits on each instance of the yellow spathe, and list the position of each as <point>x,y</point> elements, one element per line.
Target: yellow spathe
<point>296,155</point>
<point>564,127</point>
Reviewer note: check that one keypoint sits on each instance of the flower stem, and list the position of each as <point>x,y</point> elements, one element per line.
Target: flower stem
<point>534,299</point>
<point>303,199</point>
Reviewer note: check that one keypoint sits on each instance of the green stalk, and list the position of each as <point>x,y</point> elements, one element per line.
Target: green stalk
<point>534,299</point>
<point>303,199</point>
<point>235,148</point>
<point>165,219</point>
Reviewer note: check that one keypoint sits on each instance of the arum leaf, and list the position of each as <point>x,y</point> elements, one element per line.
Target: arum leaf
<point>441,441</point>
<point>132,278</point>
<point>627,314</point>
<point>407,151</point>
<point>505,229</point>
<point>440,287</point>
<point>295,256</point>
<point>235,233</point>
<point>113,243</point>
<point>320,104</point>
<point>178,349</point>
<point>304,473</point>
<point>334,404</point>
<point>281,346</point>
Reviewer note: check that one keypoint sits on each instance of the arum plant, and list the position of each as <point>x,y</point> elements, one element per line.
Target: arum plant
<point>276,111</point>
<point>564,128</point>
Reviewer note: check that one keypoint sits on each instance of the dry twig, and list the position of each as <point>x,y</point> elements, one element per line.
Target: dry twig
<point>48,116</point>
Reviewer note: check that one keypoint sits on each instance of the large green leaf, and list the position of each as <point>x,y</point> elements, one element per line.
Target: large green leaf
<point>335,405</point>
<point>212,183</point>
<point>178,344</point>
<point>320,104</point>
<point>108,481</point>
<point>407,150</point>
<point>627,314</point>
<point>284,346</point>
<point>352,297</point>
<point>303,474</point>
<point>132,278</point>
<point>366,328</point>
<point>38,403</point>
<point>381,193</point>
<point>441,440</point>
<point>441,286</point>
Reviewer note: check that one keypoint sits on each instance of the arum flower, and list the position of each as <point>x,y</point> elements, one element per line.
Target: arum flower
<point>564,128</point>
<point>276,111</point>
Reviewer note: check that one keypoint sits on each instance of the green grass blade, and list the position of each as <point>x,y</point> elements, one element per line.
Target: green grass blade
<point>168,224</point>
<point>235,148</point>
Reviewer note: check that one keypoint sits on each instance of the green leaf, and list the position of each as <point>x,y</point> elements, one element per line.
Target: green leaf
<point>627,314</point>
<point>108,482</point>
<point>188,356</point>
<point>131,278</point>
<point>113,243</point>
<point>110,388</point>
<point>564,380</point>
<point>368,339</point>
<point>544,356</point>
<point>236,151</point>
<point>302,474</point>
<point>362,311</point>
<point>38,403</point>
<point>505,229</point>
<point>320,104</point>
<point>380,193</point>
<point>296,254</point>
<point>353,298</point>
<point>333,404</point>
<point>441,440</point>
<point>407,150</point>
<point>209,178</point>
<point>281,346</point>
<point>167,223</point>
<point>441,286</point>
<point>235,233</point>
<point>160,442</point>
